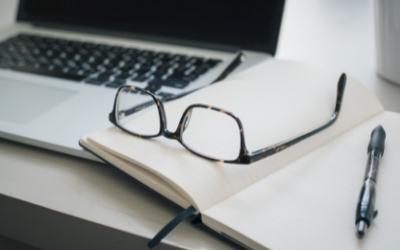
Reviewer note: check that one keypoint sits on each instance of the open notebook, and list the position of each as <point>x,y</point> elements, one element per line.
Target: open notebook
<point>301,198</point>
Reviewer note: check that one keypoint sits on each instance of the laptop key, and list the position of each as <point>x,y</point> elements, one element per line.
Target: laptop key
<point>126,75</point>
<point>105,76</point>
<point>212,62</point>
<point>115,83</point>
<point>190,78</point>
<point>176,82</point>
<point>154,85</point>
<point>140,78</point>
<point>164,95</point>
<point>201,70</point>
<point>94,81</point>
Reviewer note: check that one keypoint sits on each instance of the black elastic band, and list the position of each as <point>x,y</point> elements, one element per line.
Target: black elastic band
<point>181,216</point>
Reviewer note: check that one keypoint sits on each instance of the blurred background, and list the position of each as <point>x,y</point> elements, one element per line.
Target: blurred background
<point>337,34</point>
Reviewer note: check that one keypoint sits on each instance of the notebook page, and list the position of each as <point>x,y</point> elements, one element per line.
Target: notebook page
<point>310,204</point>
<point>151,180</point>
<point>275,100</point>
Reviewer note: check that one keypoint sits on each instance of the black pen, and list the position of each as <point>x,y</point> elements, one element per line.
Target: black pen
<point>366,212</point>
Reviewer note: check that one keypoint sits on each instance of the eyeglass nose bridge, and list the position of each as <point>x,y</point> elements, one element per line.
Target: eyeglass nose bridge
<point>172,135</point>
<point>184,122</point>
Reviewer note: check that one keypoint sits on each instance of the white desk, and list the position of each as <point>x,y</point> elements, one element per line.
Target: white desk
<point>58,202</point>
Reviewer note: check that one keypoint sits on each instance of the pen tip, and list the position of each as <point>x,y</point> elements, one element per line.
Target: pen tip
<point>361,228</point>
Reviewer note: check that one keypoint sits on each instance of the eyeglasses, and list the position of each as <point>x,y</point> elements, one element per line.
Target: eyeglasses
<point>206,131</point>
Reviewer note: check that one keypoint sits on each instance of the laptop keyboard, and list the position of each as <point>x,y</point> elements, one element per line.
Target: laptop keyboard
<point>101,64</point>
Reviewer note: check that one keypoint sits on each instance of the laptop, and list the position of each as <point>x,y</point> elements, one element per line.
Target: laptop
<point>62,61</point>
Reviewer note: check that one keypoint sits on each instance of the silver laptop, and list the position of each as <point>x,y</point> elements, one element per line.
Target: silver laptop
<point>62,61</point>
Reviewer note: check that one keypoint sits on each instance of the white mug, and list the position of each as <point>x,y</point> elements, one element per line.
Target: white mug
<point>387,32</point>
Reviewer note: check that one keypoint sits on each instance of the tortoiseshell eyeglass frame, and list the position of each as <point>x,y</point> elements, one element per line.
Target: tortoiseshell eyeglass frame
<point>245,156</point>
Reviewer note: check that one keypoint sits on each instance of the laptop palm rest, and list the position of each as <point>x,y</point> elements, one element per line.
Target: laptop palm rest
<point>21,103</point>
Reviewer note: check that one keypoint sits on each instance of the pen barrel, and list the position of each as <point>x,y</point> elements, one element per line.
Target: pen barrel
<point>365,211</point>
<point>371,172</point>
<point>366,204</point>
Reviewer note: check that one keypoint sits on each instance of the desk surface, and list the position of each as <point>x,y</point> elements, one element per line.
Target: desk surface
<point>83,203</point>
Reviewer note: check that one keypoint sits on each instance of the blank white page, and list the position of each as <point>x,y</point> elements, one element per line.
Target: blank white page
<point>310,204</point>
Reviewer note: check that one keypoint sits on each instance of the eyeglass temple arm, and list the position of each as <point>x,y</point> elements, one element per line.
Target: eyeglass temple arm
<point>273,149</point>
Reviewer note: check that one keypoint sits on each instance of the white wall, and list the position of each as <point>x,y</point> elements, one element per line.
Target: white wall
<point>9,16</point>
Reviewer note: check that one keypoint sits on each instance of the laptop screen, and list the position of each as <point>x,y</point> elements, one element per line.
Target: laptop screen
<point>252,24</point>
